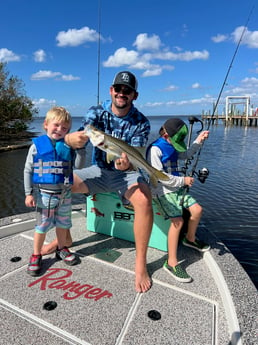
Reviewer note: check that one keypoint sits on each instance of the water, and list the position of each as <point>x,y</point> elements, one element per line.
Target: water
<point>229,196</point>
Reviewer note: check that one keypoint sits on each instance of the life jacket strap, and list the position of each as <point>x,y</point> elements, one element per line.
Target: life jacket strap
<point>49,171</point>
<point>54,164</point>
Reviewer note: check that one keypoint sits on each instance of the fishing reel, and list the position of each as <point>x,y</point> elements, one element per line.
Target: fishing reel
<point>203,174</point>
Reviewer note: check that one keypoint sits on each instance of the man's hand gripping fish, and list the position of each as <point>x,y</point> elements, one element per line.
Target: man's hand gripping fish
<point>114,148</point>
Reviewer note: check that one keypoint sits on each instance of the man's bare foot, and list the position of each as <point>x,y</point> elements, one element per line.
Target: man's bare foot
<point>142,282</point>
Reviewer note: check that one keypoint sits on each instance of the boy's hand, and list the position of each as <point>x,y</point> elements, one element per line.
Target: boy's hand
<point>202,136</point>
<point>189,181</point>
<point>76,139</point>
<point>29,201</point>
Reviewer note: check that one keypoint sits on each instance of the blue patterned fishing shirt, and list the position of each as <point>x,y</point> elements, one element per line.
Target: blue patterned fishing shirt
<point>134,128</point>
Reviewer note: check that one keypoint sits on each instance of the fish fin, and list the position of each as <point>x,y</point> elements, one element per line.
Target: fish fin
<point>162,176</point>
<point>110,157</point>
<point>97,140</point>
<point>141,150</point>
<point>158,176</point>
<point>153,180</point>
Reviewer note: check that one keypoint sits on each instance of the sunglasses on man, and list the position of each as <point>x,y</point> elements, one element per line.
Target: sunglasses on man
<point>123,89</point>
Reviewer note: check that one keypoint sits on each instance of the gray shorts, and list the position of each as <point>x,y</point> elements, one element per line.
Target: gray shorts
<point>53,210</point>
<point>105,181</point>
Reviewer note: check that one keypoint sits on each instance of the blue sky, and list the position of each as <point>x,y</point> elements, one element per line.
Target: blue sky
<point>180,51</point>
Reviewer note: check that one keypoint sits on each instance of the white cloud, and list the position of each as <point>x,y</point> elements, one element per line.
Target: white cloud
<point>249,38</point>
<point>135,60</point>
<point>196,86</point>
<point>42,102</point>
<point>143,42</point>
<point>122,57</point>
<point>69,77</point>
<point>247,87</point>
<point>152,72</point>
<point>44,75</point>
<point>177,48</point>
<point>154,104</point>
<point>182,56</point>
<point>206,100</point>
<point>74,37</point>
<point>219,38</point>
<point>171,88</point>
<point>147,62</point>
<point>39,55</point>
<point>40,75</point>
<point>7,55</point>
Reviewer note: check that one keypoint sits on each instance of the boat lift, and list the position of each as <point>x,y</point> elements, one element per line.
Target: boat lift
<point>233,100</point>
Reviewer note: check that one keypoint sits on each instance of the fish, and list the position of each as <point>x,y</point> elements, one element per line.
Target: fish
<point>114,147</point>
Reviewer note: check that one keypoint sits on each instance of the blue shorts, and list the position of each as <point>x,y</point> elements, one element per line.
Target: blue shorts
<point>53,210</point>
<point>169,204</point>
<point>105,181</point>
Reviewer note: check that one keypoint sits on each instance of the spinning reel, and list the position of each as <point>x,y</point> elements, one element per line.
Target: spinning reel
<point>202,174</point>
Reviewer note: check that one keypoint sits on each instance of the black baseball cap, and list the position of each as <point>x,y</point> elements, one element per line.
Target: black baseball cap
<point>126,78</point>
<point>177,131</point>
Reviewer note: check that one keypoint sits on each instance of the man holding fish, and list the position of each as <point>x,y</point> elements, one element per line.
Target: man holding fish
<point>118,119</point>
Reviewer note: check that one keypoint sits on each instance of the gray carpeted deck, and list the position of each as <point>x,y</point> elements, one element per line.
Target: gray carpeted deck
<point>97,304</point>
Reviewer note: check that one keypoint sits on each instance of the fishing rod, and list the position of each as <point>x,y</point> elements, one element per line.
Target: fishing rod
<point>192,120</point>
<point>230,66</point>
<point>203,174</point>
<point>99,39</point>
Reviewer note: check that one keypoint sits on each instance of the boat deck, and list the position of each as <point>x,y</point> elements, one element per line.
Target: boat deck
<point>94,303</point>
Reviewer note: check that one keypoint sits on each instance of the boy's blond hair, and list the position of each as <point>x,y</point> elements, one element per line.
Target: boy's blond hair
<point>59,114</point>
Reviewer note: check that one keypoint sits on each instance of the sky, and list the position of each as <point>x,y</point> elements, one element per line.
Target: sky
<point>68,52</point>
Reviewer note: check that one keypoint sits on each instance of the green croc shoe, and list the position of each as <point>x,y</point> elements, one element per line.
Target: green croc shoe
<point>198,245</point>
<point>177,273</point>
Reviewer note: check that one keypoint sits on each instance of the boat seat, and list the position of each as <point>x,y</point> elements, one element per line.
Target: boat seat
<point>107,215</point>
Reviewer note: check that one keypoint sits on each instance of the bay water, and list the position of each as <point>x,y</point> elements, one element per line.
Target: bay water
<point>229,195</point>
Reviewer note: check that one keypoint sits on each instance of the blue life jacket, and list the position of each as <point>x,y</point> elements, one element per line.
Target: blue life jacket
<point>52,164</point>
<point>169,156</point>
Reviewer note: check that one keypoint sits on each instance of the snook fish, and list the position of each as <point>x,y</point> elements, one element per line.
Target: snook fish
<point>114,148</point>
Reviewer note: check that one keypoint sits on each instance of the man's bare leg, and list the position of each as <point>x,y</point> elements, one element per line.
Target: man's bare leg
<point>51,247</point>
<point>78,185</point>
<point>140,197</point>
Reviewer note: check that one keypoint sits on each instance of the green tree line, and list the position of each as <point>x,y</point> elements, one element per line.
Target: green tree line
<point>16,109</point>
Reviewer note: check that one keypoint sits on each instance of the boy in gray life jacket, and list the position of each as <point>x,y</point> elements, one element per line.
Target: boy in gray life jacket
<point>170,196</point>
<point>48,177</point>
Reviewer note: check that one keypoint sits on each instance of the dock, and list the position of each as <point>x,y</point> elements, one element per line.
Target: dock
<point>94,302</point>
<point>234,120</point>
<point>238,112</point>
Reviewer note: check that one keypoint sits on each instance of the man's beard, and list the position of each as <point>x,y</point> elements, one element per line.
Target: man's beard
<point>124,105</point>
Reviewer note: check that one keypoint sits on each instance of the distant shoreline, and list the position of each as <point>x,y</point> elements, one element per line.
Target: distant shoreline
<point>16,141</point>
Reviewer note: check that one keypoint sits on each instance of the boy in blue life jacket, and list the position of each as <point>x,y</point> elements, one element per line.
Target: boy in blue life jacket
<point>48,175</point>
<point>163,154</point>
